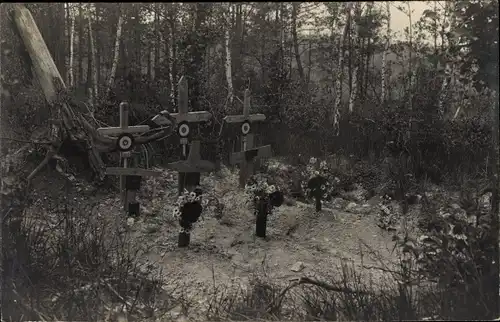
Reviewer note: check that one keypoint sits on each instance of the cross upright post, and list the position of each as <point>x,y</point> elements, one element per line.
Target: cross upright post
<point>130,178</point>
<point>248,153</point>
<point>193,165</point>
<point>183,118</point>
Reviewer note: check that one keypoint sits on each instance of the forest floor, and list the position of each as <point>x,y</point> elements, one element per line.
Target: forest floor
<point>225,251</point>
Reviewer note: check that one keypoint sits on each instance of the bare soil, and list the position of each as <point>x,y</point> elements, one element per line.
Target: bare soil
<point>225,250</point>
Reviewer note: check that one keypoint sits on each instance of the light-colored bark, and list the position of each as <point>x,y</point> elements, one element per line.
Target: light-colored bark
<point>385,74</point>
<point>295,12</point>
<point>449,69</point>
<point>95,84</point>
<point>71,76</point>
<point>355,53</point>
<point>116,56</point>
<point>172,53</point>
<point>46,71</point>
<point>340,73</point>
<point>410,71</point>
<point>43,64</point>
<point>80,43</point>
<point>410,59</point>
<point>171,63</point>
<point>228,63</point>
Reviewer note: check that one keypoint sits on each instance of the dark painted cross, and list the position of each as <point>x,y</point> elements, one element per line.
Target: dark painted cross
<point>130,178</point>
<point>183,120</point>
<point>192,165</point>
<point>248,154</point>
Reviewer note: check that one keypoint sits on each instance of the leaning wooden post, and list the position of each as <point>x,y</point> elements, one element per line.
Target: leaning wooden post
<point>246,166</point>
<point>183,118</point>
<point>130,178</point>
<point>43,64</point>
<point>51,82</point>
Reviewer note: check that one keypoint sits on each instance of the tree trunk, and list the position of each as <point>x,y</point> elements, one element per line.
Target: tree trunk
<point>354,53</point>
<point>173,54</point>
<point>295,9</point>
<point>92,60</point>
<point>493,281</point>
<point>80,43</point>
<point>449,67</point>
<point>150,62</point>
<point>385,76</point>
<point>137,38</point>
<point>309,62</point>
<point>88,83</point>
<point>157,43</point>
<point>116,56</point>
<point>367,54</point>
<point>196,53</point>
<point>227,38</point>
<point>72,125</point>
<point>97,43</point>
<point>71,76</point>
<point>237,47</point>
<point>410,65</point>
<point>340,74</point>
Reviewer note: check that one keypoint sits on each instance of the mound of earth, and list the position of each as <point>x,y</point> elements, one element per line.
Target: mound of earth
<point>224,248</point>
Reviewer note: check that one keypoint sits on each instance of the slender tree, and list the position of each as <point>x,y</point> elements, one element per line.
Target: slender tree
<point>116,55</point>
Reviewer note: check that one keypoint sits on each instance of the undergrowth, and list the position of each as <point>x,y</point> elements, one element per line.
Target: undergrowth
<point>73,266</point>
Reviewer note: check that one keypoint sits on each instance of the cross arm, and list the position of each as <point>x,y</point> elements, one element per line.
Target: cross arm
<point>119,130</point>
<point>132,172</point>
<point>199,116</point>
<point>243,118</point>
<point>257,153</point>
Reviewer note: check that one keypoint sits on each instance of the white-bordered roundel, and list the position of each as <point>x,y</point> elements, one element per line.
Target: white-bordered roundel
<point>125,142</point>
<point>245,128</point>
<point>183,129</point>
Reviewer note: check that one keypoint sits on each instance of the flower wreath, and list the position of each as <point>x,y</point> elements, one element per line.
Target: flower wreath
<point>311,184</point>
<point>188,198</point>
<point>260,191</point>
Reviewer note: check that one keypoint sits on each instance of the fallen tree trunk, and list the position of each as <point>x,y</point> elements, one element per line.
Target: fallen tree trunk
<point>69,124</point>
<point>69,116</point>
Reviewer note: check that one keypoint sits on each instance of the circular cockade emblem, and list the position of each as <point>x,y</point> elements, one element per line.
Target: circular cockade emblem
<point>125,142</point>
<point>183,129</point>
<point>245,128</point>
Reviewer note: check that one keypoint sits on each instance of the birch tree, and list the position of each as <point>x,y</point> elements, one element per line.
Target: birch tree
<point>339,78</point>
<point>355,53</point>
<point>385,74</point>
<point>449,64</point>
<point>116,55</point>
<point>172,51</point>
<point>92,58</point>
<point>295,11</point>
<point>71,76</point>
<point>228,64</point>
<point>80,42</point>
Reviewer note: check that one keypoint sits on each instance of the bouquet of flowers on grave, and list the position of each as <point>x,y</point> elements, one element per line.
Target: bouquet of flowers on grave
<point>260,192</point>
<point>188,209</point>
<point>317,179</point>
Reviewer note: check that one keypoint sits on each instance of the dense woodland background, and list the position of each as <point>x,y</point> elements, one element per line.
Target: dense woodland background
<point>432,92</point>
<point>331,77</point>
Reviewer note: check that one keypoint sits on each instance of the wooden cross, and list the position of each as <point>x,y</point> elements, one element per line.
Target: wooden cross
<point>247,157</point>
<point>246,119</point>
<point>129,177</point>
<point>182,119</point>
<point>248,154</point>
<point>193,166</point>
